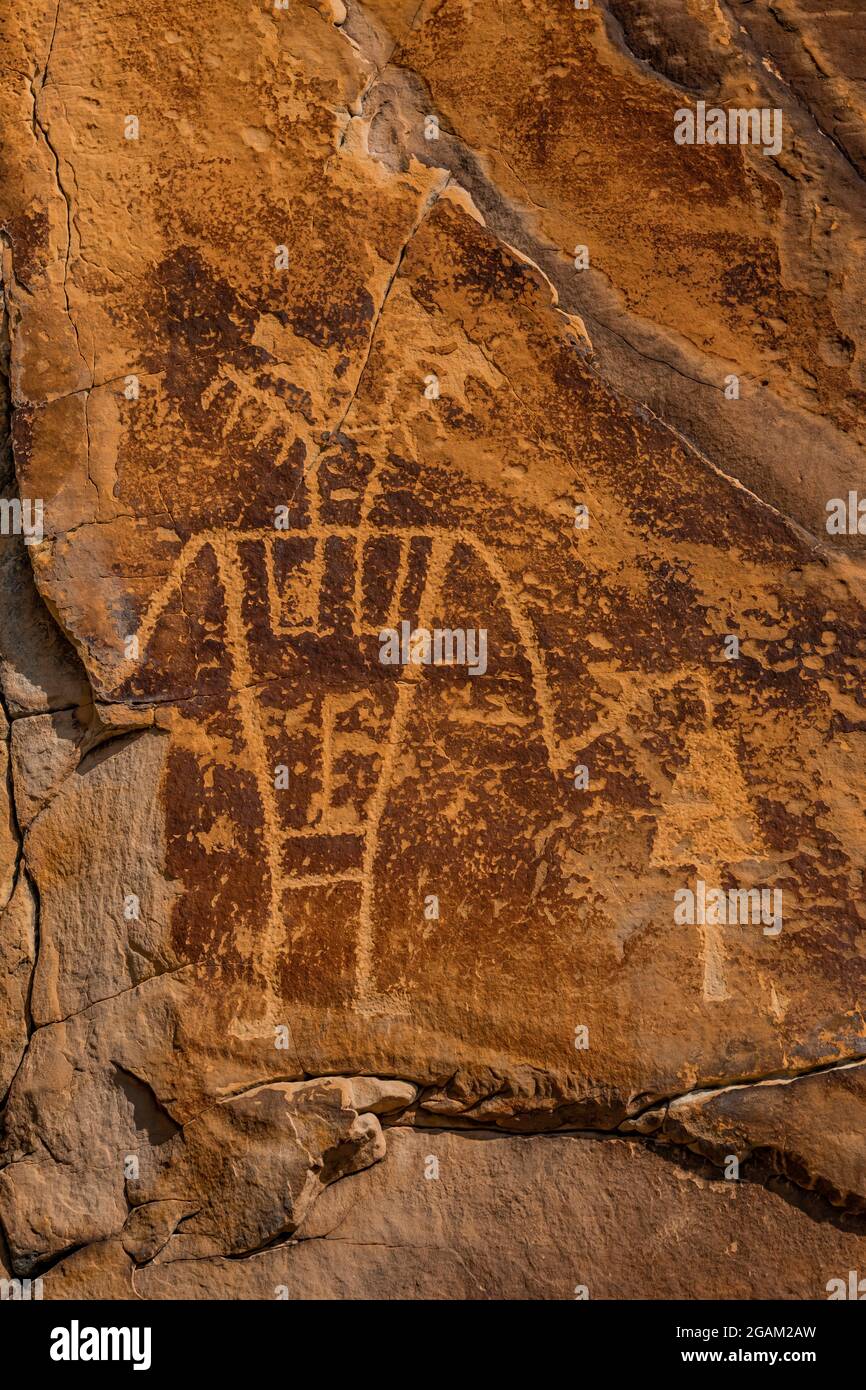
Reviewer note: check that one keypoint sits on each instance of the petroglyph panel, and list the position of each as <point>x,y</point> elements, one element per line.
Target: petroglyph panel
<point>446,667</point>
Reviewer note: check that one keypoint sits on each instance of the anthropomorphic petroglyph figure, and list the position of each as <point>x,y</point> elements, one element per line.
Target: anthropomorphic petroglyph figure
<point>322,719</point>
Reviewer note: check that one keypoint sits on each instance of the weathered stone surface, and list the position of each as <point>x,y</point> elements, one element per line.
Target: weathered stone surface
<point>45,750</point>
<point>253,1166</point>
<point>17,928</point>
<point>9,841</point>
<point>809,1129</point>
<point>96,854</point>
<point>17,959</point>
<point>287,371</point>
<point>38,669</point>
<point>101,1270</point>
<point>706,260</point>
<point>530,1218</point>
<point>239,1174</point>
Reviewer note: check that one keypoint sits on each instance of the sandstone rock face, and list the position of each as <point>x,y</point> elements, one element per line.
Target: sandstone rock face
<point>432,648</point>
